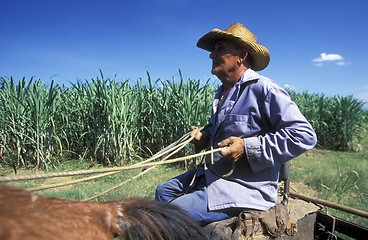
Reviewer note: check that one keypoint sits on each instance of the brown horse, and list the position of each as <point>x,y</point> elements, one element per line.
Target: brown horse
<point>26,216</point>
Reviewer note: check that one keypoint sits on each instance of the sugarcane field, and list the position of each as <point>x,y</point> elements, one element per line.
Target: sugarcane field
<point>183,120</point>
<point>107,139</point>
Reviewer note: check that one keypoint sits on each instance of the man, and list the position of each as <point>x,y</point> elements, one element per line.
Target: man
<point>256,124</point>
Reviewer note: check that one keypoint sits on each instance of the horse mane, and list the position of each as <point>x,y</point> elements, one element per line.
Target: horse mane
<point>156,220</point>
<point>27,216</point>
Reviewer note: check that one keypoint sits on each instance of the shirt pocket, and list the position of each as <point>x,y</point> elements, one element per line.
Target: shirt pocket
<point>237,125</point>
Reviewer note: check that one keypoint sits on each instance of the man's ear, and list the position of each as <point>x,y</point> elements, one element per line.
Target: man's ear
<point>243,54</point>
<point>246,58</point>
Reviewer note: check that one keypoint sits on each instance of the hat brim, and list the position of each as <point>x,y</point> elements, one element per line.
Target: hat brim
<point>259,53</point>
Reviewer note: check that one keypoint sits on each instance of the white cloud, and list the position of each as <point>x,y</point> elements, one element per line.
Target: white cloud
<point>343,63</point>
<point>328,57</point>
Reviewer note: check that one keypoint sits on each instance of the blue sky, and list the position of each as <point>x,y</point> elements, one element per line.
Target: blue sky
<point>316,46</point>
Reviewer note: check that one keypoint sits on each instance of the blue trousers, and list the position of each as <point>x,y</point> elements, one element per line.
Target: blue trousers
<point>193,199</point>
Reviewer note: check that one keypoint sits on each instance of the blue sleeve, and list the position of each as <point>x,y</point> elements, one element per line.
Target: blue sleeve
<point>292,134</point>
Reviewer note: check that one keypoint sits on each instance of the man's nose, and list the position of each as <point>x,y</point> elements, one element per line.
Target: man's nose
<point>212,55</point>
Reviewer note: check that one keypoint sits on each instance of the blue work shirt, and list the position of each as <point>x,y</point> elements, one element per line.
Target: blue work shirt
<point>274,131</point>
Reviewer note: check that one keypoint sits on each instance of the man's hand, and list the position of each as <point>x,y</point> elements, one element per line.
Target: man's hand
<point>200,140</point>
<point>235,149</point>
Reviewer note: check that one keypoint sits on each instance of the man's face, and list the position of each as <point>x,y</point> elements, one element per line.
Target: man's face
<point>224,58</point>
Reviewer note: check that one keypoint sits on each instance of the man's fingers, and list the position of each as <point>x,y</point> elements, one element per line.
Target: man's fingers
<point>226,143</point>
<point>195,133</point>
<point>234,148</point>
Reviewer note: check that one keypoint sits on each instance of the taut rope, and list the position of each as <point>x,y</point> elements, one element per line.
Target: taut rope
<point>166,153</point>
<point>143,164</point>
<point>178,145</point>
<point>55,185</point>
<point>119,185</point>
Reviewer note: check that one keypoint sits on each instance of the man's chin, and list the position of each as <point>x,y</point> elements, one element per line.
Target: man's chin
<point>214,71</point>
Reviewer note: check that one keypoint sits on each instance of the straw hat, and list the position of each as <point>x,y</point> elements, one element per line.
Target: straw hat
<point>241,36</point>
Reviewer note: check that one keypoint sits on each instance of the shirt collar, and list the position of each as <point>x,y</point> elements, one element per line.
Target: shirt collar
<point>248,75</point>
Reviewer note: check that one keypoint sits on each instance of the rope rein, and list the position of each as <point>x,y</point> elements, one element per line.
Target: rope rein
<point>104,170</point>
<point>214,170</point>
<point>165,153</point>
<point>62,184</point>
<point>119,185</point>
<point>168,151</point>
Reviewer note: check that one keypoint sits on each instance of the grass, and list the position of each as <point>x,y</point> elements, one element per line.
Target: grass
<point>142,187</point>
<point>339,177</point>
